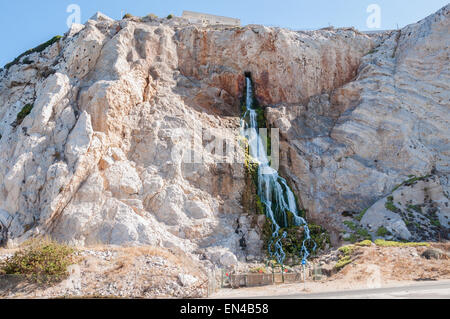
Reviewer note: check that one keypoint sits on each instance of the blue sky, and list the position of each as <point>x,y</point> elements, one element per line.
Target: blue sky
<point>27,23</point>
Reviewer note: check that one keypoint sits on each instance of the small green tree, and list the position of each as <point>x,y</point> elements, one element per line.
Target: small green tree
<point>41,261</point>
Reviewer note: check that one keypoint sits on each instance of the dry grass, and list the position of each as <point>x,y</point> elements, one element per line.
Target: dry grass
<point>396,264</point>
<point>138,272</point>
<point>127,257</point>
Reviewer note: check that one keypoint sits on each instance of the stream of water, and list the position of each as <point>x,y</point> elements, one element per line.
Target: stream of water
<point>273,190</point>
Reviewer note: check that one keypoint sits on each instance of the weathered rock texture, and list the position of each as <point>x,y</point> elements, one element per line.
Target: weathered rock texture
<point>116,105</point>
<point>348,148</point>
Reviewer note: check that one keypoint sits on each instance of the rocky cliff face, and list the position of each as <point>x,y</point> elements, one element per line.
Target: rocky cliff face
<point>388,127</point>
<point>117,107</point>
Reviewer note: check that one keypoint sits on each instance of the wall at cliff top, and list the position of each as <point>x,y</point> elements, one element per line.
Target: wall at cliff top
<point>112,102</point>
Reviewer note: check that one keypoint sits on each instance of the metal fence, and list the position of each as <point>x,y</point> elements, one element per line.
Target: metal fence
<point>235,281</point>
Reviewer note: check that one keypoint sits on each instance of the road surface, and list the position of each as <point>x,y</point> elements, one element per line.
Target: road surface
<point>430,290</point>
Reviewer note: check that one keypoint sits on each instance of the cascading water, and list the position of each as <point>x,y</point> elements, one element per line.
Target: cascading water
<point>276,196</point>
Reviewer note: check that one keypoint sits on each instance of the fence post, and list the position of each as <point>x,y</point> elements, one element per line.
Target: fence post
<point>273,275</point>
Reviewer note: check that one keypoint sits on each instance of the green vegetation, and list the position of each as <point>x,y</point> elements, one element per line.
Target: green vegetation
<point>353,238</point>
<point>411,181</point>
<point>26,110</point>
<point>363,233</point>
<point>346,257</point>
<point>416,208</point>
<point>391,206</point>
<point>151,16</point>
<point>37,49</point>
<point>27,61</point>
<point>374,50</point>
<point>347,250</point>
<point>435,222</point>
<point>359,233</point>
<point>382,232</point>
<point>170,16</point>
<point>260,210</point>
<point>293,242</point>
<point>385,243</point>
<point>41,261</point>
<point>360,216</point>
<point>344,261</point>
<point>351,225</point>
<point>365,243</point>
<point>128,16</point>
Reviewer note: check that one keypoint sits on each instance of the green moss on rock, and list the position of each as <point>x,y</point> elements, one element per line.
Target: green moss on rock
<point>293,242</point>
<point>391,206</point>
<point>26,110</point>
<point>361,216</point>
<point>382,232</point>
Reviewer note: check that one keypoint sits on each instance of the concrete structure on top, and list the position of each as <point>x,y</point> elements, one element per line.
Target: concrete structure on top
<point>209,19</point>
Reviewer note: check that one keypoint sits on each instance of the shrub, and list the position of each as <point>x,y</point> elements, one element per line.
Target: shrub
<point>360,216</point>
<point>127,16</point>
<point>260,209</point>
<point>350,225</point>
<point>41,261</point>
<point>37,49</point>
<point>26,110</point>
<point>364,233</point>
<point>385,243</point>
<point>170,16</point>
<point>365,243</point>
<point>346,258</point>
<point>344,261</point>
<point>382,232</point>
<point>353,238</point>
<point>347,250</point>
<point>435,222</point>
<point>151,16</point>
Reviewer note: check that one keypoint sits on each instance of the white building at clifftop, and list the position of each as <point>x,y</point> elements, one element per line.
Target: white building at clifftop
<point>209,19</point>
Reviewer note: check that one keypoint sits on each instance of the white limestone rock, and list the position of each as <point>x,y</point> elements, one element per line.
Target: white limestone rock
<point>123,179</point>
<point>80,139</point>
<point>378,216</point>
<point>98,16</point>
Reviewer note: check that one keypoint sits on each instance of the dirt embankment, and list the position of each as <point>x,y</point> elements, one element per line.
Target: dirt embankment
<point>109,272</point>
<point>145,272</point>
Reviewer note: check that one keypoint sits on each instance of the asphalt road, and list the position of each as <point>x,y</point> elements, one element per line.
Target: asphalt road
<point>430,290</point>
